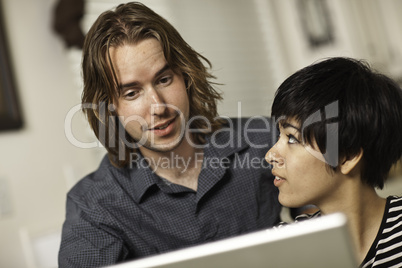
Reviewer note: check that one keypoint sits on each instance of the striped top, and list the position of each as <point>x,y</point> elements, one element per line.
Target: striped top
<point>386,250</point>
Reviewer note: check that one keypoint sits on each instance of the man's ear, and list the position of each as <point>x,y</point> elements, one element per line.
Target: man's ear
<point>348,165</point>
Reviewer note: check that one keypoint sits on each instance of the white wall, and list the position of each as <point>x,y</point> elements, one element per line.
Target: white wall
<point>36,159</point>
<point>38,163</point>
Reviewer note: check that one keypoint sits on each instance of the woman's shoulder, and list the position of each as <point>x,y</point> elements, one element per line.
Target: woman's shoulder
<point>303,217</point>
<point>394,199</point>
<point>393,210</point>
<point>388,244</point>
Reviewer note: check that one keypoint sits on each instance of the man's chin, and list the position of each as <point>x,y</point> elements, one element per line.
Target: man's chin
<point>164,147</point>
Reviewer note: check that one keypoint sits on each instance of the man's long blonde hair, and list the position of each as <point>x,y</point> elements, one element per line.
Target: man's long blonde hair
<point>131,23</point>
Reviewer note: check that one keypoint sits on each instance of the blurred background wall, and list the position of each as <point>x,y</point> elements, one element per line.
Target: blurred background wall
<point>253,45</point>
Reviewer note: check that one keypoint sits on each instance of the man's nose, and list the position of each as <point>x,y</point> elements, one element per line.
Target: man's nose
<point>158,105</point>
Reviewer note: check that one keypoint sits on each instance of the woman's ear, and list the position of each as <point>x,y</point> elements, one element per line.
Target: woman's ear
<point>348,165</point>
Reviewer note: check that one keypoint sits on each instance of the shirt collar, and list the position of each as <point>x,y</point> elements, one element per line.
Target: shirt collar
<point>227,140</point>
<point>142,177</point>
<point>219,145</point>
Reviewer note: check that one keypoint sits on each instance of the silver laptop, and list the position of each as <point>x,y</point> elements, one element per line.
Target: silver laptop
<point>319,242</point>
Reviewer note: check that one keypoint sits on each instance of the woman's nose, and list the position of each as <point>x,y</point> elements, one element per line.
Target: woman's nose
<point>274,158</point>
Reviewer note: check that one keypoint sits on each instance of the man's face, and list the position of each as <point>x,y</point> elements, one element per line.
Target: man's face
<point>153,105</point>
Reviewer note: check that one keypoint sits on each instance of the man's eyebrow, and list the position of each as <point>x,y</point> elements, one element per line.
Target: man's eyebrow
<point>162,70</point>
<point>289,125</point>
<point>135,83</point>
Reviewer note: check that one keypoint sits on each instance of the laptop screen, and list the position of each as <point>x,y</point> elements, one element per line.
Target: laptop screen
<point>318,242</point>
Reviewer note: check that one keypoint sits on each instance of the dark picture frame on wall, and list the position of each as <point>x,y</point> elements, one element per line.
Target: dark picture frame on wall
<point>10,113</point>
<point>316,22</point>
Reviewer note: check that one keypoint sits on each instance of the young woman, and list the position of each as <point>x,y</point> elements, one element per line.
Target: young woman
<point>340,127</point>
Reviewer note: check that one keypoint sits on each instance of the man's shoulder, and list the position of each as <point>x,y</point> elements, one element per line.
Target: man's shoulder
<point>258,122</point>
<point>103,179</point>
<point>256,132</point>
<point>251,134</point>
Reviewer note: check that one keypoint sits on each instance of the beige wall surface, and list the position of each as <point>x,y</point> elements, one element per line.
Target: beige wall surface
<point>37,161</point>
<point>40,162</point>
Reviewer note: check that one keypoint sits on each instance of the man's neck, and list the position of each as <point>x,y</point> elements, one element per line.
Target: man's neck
<point>181,166</point>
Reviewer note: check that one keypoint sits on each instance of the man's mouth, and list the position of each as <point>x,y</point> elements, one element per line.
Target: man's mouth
<point>162,125</point>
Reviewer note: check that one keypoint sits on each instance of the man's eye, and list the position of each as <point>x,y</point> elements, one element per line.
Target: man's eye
<point>130,94</point>
<point>165,80</point>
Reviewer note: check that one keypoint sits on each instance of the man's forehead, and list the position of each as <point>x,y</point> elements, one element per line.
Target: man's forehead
<point>130,59</point>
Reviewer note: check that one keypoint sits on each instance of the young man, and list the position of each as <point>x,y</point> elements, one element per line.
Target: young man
<point>340,132</point>
<point>175,174</point>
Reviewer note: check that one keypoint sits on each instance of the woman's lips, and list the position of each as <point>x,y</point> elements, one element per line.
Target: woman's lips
<point>278,181</point>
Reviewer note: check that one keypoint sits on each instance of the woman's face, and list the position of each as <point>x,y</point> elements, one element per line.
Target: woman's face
<point>300,171</point>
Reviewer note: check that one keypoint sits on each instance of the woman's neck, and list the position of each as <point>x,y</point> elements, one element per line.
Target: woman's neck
<point>364,210</point>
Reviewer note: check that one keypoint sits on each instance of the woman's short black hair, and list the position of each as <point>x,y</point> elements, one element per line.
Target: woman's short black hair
<point>345,107</point>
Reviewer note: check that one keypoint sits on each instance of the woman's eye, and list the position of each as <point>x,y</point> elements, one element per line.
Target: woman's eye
<point>292,139</point>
